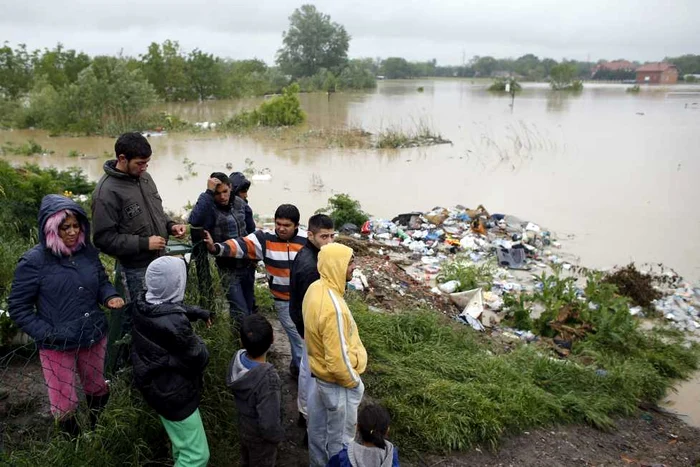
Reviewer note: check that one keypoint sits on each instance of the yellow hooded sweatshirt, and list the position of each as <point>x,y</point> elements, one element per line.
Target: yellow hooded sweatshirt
<point>336,353</point>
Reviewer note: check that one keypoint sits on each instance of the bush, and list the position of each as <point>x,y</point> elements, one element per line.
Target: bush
<point>29,148</point>
<point>633,284</point>
<point>284,110</point>
<point>107,98</point>
<point>345,210</point>
<point>470,276</point>
<point>356,76</point>
<point>500,85</point>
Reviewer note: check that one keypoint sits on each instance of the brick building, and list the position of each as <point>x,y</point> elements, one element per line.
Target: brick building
<point>657,73</point>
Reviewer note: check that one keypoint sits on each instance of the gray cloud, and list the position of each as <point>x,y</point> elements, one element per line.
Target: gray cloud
<point>445,30</point>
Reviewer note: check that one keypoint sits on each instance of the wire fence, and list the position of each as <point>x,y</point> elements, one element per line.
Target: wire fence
<point>41,385</point>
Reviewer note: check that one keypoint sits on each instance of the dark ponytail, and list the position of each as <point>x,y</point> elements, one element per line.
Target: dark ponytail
<point>373,424</point>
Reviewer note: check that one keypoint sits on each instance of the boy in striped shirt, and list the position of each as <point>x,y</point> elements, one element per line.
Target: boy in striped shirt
<point>277,250</point>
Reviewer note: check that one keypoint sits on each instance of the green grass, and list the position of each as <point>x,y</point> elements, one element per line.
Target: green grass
<point>469,275</point>
<point>449,389</point>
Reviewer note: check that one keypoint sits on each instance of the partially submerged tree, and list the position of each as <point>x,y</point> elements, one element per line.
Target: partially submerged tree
<point>311,43</point>
<point>562,77</point>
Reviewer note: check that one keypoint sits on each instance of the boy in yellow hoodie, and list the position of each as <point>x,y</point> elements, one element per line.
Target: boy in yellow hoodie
<point>337,357</point>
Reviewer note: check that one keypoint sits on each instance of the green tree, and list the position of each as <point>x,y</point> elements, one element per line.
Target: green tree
<point>312,42</point>
<point>484,66</point>
<point>562,76</point>
<point>165,67</point>
<point>358,74</point>
<point>686,64</point>
<point>60,67</point>
<point>15,71</point>
<point>205,74</point>
<point>395,68</point>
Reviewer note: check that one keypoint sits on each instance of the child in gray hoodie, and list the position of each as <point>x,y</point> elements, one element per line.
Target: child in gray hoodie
<point>370,448</point>
<point>256,387</point>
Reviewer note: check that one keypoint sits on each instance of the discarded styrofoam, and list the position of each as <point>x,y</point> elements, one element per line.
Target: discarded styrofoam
<point>449,287</point>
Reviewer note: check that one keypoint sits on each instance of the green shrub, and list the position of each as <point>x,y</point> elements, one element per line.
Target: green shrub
<point>499,85</point>
<point>29,148</point>
<point>284,110</point>
<point>470,276</point>
<point>345,210</point>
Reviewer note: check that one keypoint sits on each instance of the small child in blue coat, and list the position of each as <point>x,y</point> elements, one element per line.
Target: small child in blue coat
<point>370,448</point>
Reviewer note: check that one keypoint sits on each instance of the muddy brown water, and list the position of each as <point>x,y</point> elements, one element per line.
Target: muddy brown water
<point>615,174</point>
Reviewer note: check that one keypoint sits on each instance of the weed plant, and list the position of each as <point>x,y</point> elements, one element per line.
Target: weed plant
<point>469,275</point>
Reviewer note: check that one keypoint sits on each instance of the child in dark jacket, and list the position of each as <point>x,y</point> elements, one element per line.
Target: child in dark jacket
<point>370,447</point>
<point>169,359</point>
<point>256,387</point>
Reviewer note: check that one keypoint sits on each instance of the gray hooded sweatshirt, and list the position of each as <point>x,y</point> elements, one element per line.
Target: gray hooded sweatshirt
<point>363,456</point>
<point>258,398</point>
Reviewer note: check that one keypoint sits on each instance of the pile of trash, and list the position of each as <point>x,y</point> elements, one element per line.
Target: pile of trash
<point>681,308</point>
<point>410,252</point>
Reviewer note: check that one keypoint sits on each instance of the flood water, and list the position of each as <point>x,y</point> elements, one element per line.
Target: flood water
<point>617,171</point>
<point>614,173</point>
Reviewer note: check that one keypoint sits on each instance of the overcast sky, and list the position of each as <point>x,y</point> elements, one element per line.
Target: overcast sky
<point>642,30</point>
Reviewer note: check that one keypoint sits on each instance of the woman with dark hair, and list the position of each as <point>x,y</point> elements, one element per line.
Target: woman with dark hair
<point>56,295</point>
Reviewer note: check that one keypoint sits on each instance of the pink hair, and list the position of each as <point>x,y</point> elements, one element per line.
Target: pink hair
<point>54,241</point>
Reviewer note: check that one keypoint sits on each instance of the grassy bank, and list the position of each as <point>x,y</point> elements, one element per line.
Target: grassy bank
<point>449,388</point>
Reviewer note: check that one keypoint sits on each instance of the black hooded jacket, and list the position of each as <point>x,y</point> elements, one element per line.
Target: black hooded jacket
<point>303,273</point>
<point>168,357</point>
<point>240,183</point>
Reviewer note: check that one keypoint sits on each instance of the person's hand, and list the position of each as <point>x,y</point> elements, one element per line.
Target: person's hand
<point>209,242</point>
<point>209,323</point>
<point>156,242</point>
<point>212,183</point>
<point>179,230</point>
<point>115,302</point>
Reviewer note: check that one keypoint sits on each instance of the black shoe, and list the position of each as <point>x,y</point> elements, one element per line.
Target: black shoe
<point>96,405</point>
<point>70,427</point>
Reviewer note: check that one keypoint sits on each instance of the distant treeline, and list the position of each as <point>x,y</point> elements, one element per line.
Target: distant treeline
<point>529,67</point>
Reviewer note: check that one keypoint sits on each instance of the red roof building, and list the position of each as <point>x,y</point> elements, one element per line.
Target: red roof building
<point>657,73</point>
<point>616,65</point>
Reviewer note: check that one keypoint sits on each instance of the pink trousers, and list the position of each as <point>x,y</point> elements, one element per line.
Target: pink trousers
<point>59,368</point>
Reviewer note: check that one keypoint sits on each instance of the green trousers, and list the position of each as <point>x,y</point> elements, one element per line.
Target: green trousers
<point>190,448</point>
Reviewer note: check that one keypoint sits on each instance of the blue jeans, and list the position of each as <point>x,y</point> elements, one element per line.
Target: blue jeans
<point>248,284</point>
<point>232,280</point>
<point>332,419</point>
<point>295,341</point>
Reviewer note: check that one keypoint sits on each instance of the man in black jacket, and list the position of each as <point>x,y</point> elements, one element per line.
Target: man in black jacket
<point>169,358</point>
<point>127,212</point>
<point>303,273</point>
